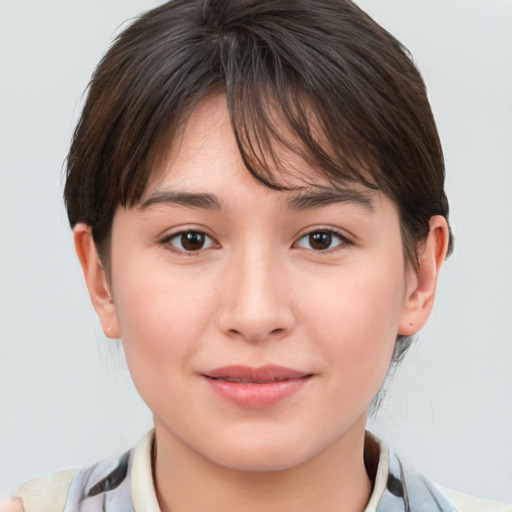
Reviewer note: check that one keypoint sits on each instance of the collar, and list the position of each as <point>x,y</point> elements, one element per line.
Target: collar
<point>395,489</point>
<point>127,483</point>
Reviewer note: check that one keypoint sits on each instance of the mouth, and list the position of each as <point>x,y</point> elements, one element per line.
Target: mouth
<point>243,380</point>
<point>255,375</point>
<point>256,387</point>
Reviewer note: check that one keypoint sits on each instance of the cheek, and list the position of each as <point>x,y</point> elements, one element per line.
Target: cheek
<point>160,326</point>
<point>161,318</point>
<point>356,318</point>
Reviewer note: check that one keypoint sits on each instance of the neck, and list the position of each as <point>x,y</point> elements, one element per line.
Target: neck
<point>333,480</point>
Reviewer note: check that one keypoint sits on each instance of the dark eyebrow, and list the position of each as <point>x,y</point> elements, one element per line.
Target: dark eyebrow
<point>193,200</point>
<point>324,197</point>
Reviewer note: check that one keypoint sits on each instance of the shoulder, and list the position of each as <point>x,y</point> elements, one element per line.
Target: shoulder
<point>46,493</point>
<point>107,483</point>
<point>398,487</point>
<point>80,490</point>
<point>466,503</point>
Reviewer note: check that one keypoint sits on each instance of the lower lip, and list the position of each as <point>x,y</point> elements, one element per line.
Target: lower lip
<point>257,395</point>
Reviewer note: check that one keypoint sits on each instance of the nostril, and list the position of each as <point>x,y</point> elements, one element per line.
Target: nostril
<point>256,334</point>
<point>255,318</point>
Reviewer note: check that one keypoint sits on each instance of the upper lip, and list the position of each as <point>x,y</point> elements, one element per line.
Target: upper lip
<point>267,373</point>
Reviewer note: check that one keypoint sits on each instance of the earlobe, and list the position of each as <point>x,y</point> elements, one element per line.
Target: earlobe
<point>422,281</point>
<point>96,280</point>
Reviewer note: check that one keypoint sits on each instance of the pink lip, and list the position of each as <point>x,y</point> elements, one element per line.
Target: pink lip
<point>256,388</point>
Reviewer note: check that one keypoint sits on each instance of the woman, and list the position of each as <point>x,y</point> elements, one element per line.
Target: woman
<point>256,192</point>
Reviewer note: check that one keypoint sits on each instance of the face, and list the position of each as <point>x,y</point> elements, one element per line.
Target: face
<point>258,325</point>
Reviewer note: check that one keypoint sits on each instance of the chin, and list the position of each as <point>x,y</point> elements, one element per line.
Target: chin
<point>260,462</point>
<point>263,455</point>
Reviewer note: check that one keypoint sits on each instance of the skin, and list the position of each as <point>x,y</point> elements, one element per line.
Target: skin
<point>260,290</point>
<point>11,506</point>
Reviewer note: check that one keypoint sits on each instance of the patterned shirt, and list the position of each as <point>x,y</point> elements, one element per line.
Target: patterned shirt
<point>126,485</point>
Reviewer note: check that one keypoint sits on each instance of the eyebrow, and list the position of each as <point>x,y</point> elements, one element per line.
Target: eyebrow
<point>324,197</point>
<point>300,202</point>
<point>192,200</point>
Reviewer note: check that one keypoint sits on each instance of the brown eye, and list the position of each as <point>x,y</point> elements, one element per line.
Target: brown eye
<point>190,241</point>
<point>323,240</point>
<point>320,241</point>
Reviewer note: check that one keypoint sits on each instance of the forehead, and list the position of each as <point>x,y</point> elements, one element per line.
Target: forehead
<point>205,170</point>
<point>207,148</point>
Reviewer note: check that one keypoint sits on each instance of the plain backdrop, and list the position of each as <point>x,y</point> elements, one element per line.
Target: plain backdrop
<point>65,395</point>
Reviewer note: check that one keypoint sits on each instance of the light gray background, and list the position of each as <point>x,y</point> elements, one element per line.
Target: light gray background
<point>65,396</point>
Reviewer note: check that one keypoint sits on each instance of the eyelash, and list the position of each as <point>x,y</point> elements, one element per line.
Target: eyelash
<point>168,241</point>
<point>331,233</point>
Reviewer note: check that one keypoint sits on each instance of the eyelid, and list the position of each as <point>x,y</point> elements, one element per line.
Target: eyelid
<point>167,239</point>
<point>343,239</point>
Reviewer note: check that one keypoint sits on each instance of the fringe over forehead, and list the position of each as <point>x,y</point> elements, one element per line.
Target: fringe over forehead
<point>317,77</point>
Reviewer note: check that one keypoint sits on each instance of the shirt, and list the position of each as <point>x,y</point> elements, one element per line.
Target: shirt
<point>126,485</point>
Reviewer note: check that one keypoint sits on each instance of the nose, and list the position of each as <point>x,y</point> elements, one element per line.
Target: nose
<point>256,302</point>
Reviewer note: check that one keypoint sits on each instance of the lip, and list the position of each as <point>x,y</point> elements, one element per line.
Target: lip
<point>256,387</point>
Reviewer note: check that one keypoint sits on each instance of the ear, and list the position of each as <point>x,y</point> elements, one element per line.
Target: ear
<point>422,281</point>
<point>96,280</point>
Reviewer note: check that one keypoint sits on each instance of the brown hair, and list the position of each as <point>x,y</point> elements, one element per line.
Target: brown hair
<point>317,76</point>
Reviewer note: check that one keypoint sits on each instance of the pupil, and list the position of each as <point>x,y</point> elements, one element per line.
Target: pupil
<point>192,241</point>
<point>320,240</point>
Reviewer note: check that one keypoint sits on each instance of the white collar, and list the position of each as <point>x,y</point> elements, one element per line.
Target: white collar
<point>144,494</point>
